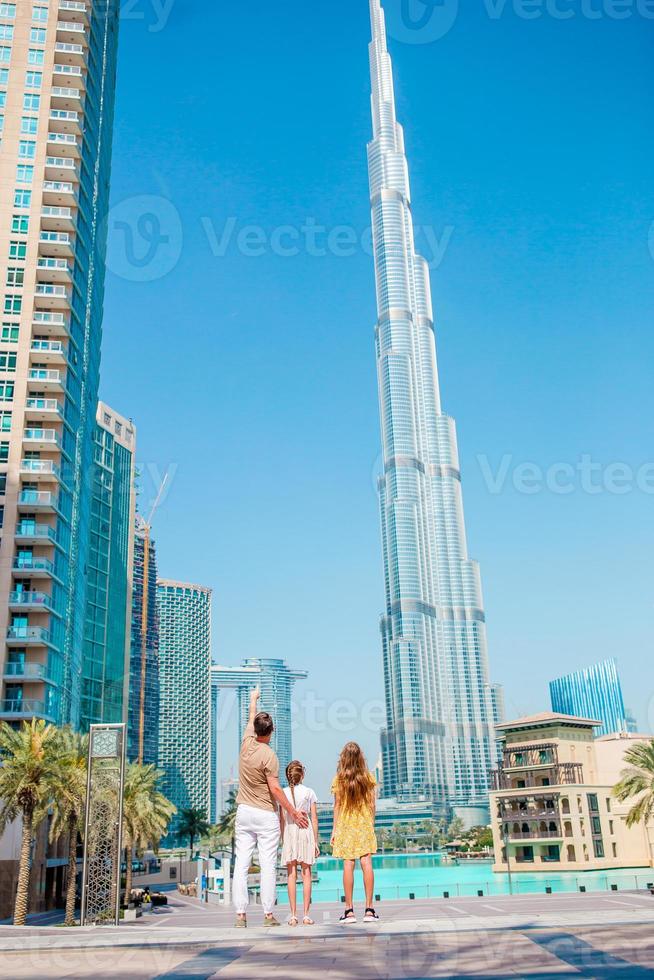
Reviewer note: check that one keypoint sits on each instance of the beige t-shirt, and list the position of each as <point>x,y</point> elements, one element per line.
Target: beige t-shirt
<point>256,761</point>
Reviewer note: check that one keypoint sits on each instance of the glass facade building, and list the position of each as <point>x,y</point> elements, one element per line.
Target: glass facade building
<point>184,754</point>
<point>276,682</point>
<point>57,82</point>
<point>594,693</point>
<point>143,716</point>
<point>439,736</point>
<point>107,632</point>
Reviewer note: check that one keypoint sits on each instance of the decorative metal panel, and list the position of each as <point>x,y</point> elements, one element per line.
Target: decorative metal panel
<point>103,828</point>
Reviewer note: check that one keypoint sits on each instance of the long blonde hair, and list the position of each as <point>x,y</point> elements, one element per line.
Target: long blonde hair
<point>353,778</point>
<point>294,775</point>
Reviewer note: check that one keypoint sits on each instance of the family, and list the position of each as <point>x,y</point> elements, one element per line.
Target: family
<point>267,812</point>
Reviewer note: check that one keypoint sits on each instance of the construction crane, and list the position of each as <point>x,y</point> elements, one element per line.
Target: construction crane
<point>144,614</point>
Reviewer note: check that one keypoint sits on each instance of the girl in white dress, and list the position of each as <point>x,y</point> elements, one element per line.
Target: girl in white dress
<point>300,844</point>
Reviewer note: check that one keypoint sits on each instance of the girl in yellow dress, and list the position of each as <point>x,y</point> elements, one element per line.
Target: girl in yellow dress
<point>354,836</point>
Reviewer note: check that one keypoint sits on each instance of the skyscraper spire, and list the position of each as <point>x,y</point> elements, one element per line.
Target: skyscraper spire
<point>439,733</point>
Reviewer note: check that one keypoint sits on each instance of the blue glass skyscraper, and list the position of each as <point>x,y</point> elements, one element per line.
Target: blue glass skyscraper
<point>143,714</point>
<point>439,737</point>
<point>594,693</point>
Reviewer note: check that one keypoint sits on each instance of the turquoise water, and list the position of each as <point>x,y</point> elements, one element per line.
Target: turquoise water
<point>425,876</point>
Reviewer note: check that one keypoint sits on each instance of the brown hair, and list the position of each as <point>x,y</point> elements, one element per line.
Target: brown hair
<point>294,775</point>
<point>263,724</point>
<point>353,778</point>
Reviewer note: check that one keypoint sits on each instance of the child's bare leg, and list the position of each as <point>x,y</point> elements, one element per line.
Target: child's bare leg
<point>348,883</point>
<point>292,888</point>
<point>306,887</point>
<point>368,878</point>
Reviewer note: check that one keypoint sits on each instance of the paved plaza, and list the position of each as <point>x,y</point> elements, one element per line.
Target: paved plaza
<point>594,936</point>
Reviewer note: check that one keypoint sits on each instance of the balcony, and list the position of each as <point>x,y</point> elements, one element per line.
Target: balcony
<point>44,440</point>
<point>31,533</point>
<point>30,501</point>
<point>61,168</point>
<point>55,218</point>
<point>565,774</point>
<point>49,351</point>
<point>52,296</point>
<point>24,672</point>
<point>35,568</point>
<point>62,97</point>
<point>54,270</point>
<point>61,193</point>
<point>44,379</point>
<point>28,636</point>
<point>51,324</point>
<point>74,10</point>
<point>43,410</point>
<point>531,756</point>
<point>56,244</point>
<point>71,32</point>
<point>31,602</point>
<point>40,470</point>
<point>69,74</point>
<point>23,709</point>
<point>65,121</point>
<point>64,145</point>
<point>70,55</point>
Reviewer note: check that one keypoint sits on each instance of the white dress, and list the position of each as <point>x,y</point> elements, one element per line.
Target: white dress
<point>299,842</point>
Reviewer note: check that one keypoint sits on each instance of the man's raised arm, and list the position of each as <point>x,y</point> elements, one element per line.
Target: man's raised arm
<point>255,694</point>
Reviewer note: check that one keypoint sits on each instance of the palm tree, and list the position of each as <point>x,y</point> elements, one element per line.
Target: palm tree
<point>68,798</point>
<point>227,825</point>
<point>146,814</point>
<point>637,783</point>
<point>385,839</point>
<point>192,824</point>
<point>29,762</point>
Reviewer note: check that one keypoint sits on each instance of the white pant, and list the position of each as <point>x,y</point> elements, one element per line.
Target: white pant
<point>260,829</point>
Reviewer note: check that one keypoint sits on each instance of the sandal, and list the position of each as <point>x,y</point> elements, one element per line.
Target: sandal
<point>308,921</point>
<point>348,916</point>
<point>293,921</point>
<point>371,916</point>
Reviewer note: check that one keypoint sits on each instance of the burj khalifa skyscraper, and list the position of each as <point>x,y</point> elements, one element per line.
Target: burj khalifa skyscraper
<point>439,736</point>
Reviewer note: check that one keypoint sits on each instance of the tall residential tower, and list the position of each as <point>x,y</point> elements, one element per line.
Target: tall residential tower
<point>143,714</point>
<point>184,695</point>
<point>439,739</point>
<point>595,692</point>
<point>57,82</point>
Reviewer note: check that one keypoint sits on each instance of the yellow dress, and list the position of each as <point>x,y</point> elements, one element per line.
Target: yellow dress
<point>355,836</point>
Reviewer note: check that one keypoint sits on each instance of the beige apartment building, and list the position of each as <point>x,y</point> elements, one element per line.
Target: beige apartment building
<point>552,807</point>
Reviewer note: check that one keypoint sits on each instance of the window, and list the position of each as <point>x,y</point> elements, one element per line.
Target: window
<point>17,250</point>
<point>597,825</point>
<point>15,276</point>
<point>9,333</point>
<point>22,199</point>
<point>5,54</point>
<point>3,483</point>
<point>7,360</point>
<point>2,123</point>
<point>599,848</point>
<point>24,173</point>
<point>33,79</point>
<point>5,421</point>
<point>29,125</point>
<point>26,149</point>
<point>4,452</point>
<point>7,391</point>
<point>3,100</point>
<point>8,10</point>
<point>593,804</point>
<point>13,304</point>
<point>4,76</point>
<point>20,223</point>
<point>37,35</point>
<point>31,102</point>
<point>6,32</point>
<point>40,14</point>
<point>35,56</point>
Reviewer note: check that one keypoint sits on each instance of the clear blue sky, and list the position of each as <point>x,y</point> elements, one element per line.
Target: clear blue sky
<point>530,145</point>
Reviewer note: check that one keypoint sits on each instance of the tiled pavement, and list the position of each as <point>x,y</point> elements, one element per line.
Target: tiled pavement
<point>595,937</point>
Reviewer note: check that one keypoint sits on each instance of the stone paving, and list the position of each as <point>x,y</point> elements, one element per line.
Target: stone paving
<point>596,937</point>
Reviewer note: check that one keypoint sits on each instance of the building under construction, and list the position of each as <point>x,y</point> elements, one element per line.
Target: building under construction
<point>143,727</point>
